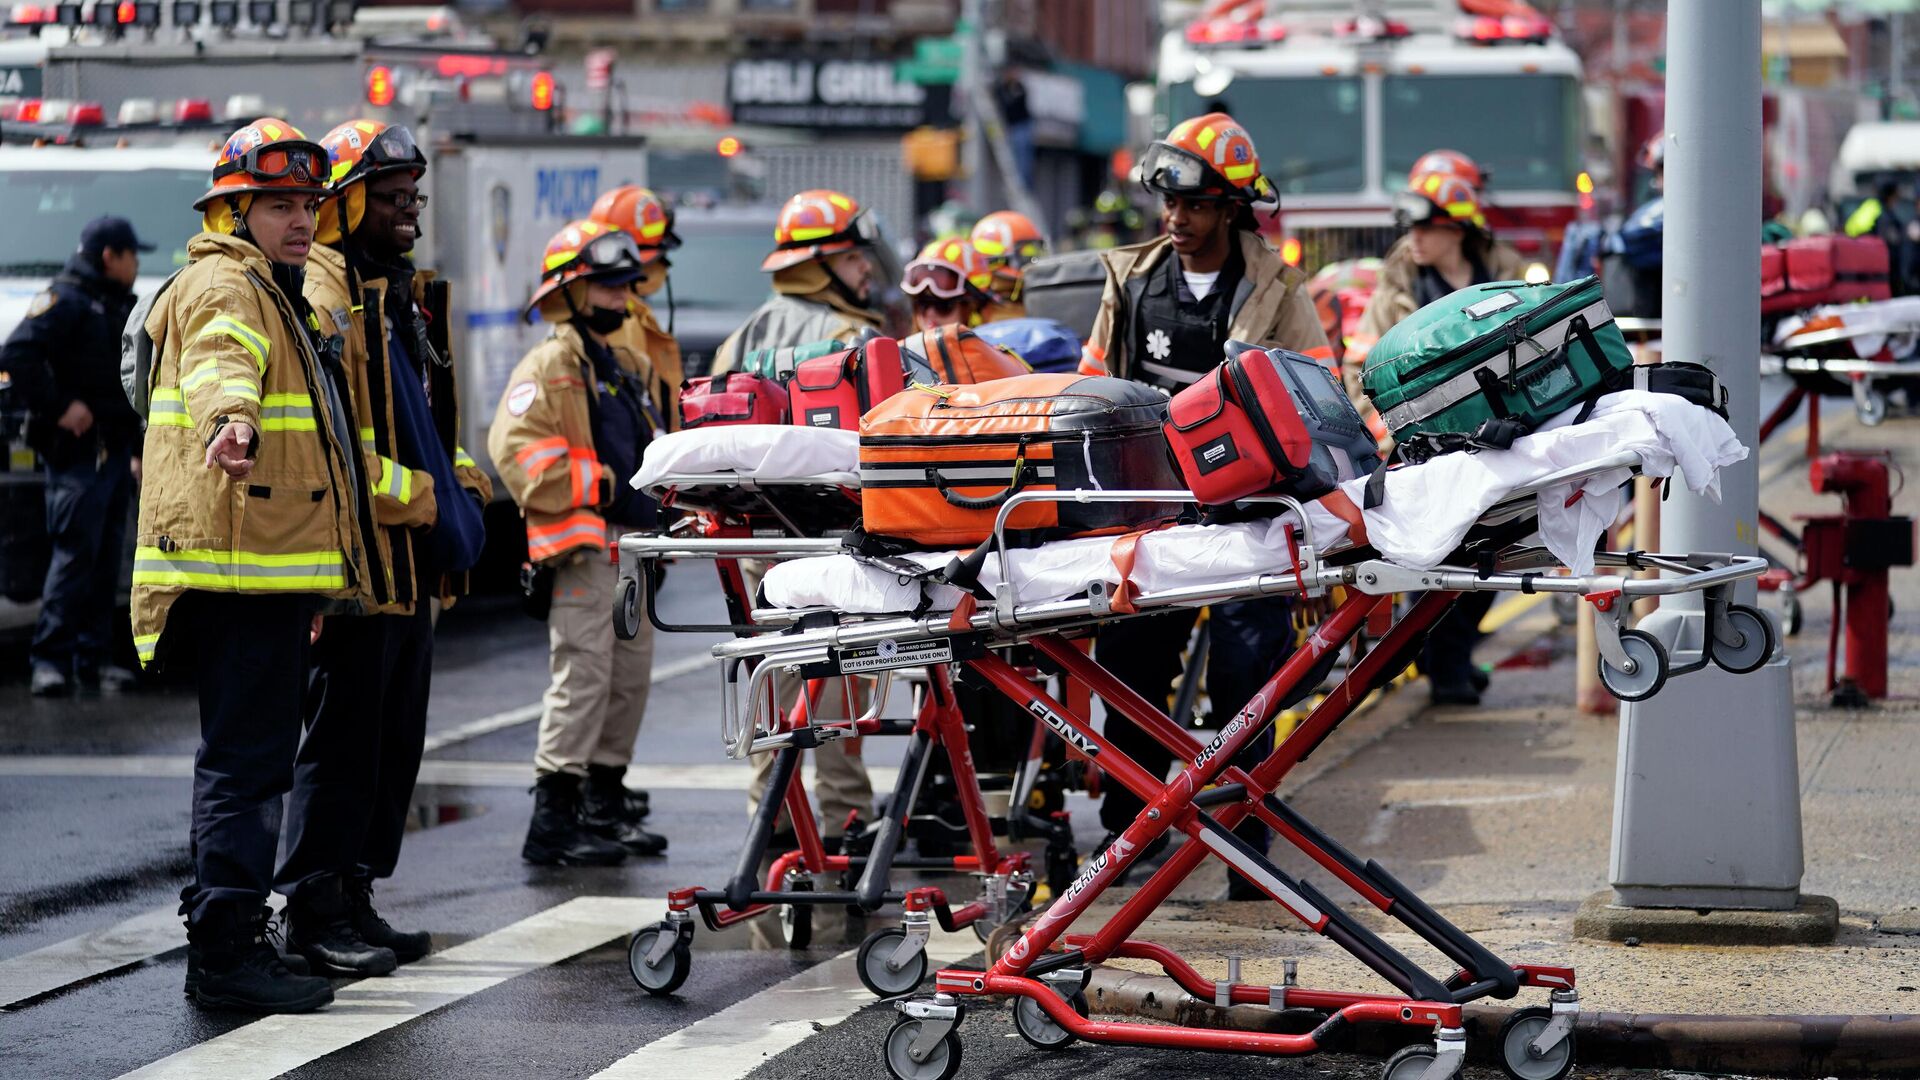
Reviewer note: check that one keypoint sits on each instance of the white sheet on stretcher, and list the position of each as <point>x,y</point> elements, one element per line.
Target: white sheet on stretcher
<point>1892,324</point>
<point>766,452</point>
<point>1427,511</point>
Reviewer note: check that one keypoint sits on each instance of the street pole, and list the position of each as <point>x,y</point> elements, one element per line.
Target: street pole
<point>973,92</point>
<point>1706,797</point>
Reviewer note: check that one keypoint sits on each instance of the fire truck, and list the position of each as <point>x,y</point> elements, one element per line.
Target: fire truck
<point>1342,97</point>
<point>117,110</point>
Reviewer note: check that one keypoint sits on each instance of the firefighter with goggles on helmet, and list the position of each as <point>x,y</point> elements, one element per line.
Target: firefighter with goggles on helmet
<point>647,218</point>
<point>823,284</point>
<point>947,284</point>
<point>367,712</point>
<point>567,434</point>
<point>254,519</point>
<point>1171,305</point>
<point>1008,241</point>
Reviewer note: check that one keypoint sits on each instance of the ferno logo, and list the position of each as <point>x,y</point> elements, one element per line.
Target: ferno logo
<point>565,194</point>
<point>1063,729</point>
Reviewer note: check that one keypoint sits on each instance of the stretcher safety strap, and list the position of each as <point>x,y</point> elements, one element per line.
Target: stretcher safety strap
<point>1467,384</point>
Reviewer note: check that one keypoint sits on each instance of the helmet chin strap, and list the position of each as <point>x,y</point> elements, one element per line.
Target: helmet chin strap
<point>239,220</point>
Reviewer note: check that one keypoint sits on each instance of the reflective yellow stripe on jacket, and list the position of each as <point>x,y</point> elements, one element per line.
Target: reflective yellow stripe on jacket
<point>396,481</point>
<point>168,408</point>
<point>252,340</point>
<point>287,412</point>
<point>238,571</point>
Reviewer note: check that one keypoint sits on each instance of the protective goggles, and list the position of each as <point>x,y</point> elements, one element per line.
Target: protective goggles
<point>394,148</point>
<point>929,278</point>
<point>1019,257</point>
<point>300,161</point>
<point>1175,171</point>
<point>1411,208</point>
<point>611,255</point>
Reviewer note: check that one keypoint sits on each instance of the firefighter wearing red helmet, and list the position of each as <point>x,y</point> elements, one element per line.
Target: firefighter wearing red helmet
<point>822,278</point>
<point>367,714</point>
<point>566,436</point>
<point>1169,309</point>
<point>823,283</point>
<point>254,515</point>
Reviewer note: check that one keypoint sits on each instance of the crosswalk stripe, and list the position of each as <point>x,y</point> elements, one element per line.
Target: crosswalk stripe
<point>730,776</point>
<point>741,1037</point>
<point>276,1044</point>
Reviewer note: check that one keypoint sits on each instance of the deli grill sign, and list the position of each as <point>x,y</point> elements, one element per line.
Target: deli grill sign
<point>824,93</point>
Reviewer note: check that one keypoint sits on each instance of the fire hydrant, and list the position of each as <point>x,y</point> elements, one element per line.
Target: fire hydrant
<point>1855,550</point>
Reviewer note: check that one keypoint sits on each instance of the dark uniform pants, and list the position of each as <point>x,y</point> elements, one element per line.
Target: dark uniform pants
<point>250,659</point>
<point>367,727</point>
<point>1447,657</point>
<point>87,527</point>
<point>1249,640</point>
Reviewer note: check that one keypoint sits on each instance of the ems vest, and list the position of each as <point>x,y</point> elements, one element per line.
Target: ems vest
<point>1177,339</point>
<point>619,412</point>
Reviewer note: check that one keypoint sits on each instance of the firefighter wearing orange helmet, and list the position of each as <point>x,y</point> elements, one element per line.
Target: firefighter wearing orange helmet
<point>1170,306</point>
<point>567,435</point>
<point>823,290</point>
<point>254,517</point>
<point>1008,240</point>
<point>644,216</point>
<point>822,278</point>
<point>367,714</point>
<point>947,284</point>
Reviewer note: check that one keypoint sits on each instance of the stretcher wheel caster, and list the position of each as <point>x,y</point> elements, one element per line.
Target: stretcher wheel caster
<point>796,920</point>
<point>1035,1026</point>
<point>887,982</point>
<point>1649,672</point>
<point>1870,406</point>
<point>1756,644</point>
<point>626,609</point>
<point>1410,1063</point>
<point>939,1064</point>
<point>672,970</point>
<point>1020,890</point>
<point>1517,1058</point>
<point>1792,617</point>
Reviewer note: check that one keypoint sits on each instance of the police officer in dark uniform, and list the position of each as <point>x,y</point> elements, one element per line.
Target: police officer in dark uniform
<point>64,361</point>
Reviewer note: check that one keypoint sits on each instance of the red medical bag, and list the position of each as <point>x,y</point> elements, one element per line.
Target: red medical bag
<point>1266,421</point>
<point>836,390</point>
<point>733,398</point>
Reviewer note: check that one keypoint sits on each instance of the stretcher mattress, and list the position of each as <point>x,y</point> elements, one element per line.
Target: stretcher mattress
<point>765,453</point>
<point>1892,325</point>
<point>1426,512</point>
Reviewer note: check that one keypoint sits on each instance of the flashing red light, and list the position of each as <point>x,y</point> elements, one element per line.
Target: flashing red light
<point>728,146</point>
<point>192,111</point>
<point>380,86</point>
<point>33,14</point>
<point>542,90</point>
<point>124,13</point>
<point>87,114</point>
<point>1290,251</point>
<point>28,111</point>
<point>453,65</point>
<point>1231,32</point>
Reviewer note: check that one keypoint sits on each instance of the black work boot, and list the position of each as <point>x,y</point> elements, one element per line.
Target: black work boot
<point>406,946</point>
<point>557,836</point>
<point>637,804</point>
<point>320,927</point>
<point>295,964</point>
<point>606,811</point>
<point>240,970</point>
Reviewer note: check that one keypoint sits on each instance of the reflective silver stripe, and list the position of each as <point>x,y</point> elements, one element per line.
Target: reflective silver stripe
<point>1465,385</point>
<point>548,543</point>
<point>1274,887</point>
<point>999,475</point>
<point>1172,374</point>
<point>287,412</point>
<point>234,570</point>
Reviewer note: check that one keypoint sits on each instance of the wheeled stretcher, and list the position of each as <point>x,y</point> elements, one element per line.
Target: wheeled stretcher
<point>1847,350</point>
<point>1301,553</point>
<point>773,493</point>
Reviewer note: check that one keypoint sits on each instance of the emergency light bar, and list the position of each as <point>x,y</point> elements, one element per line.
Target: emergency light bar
<point>1530,29</point>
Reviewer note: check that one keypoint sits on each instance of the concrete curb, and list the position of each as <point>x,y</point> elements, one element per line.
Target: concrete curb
<point>1787,1046</point>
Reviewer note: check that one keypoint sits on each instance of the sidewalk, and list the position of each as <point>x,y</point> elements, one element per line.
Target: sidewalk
<point>1500,817</point>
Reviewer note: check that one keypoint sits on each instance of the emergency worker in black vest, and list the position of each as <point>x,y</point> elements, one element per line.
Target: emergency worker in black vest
<point>1171,305</point>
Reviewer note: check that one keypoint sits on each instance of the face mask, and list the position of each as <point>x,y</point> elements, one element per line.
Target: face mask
<point>603,320</point>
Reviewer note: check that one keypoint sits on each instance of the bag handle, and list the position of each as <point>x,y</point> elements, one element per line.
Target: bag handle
<point>985,502</point>
<point>1219,375</point>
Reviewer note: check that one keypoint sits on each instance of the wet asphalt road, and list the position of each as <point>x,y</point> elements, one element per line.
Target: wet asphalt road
<point>105,842</point>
